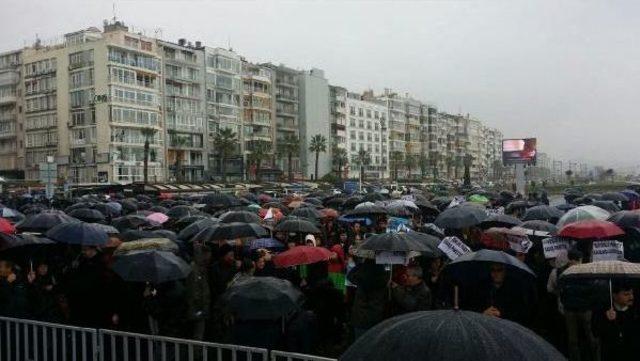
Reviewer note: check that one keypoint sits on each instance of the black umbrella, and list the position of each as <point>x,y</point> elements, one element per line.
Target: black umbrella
<point>543,213</point>
<point>366,209</point>
<point>306,212</point>
<point>428,209</point>
<point>261,298</point>
<point>403,242</point>
<point>500,220</point>
<point>165,233</point>
<point>150,266</point>
<point>593,196</point>
<point>106,210</point>
<point>336,202</point>
<point>285,210</point>
<point>296,226</point>
<point>220,200</point>
<point>626,219</point>
<point>566,207</point>
<point>351,202</point>
<point>432,229</point>
<point>87,215</point>
<point>12,215</point>
<point>82,233</point>
<point>607,206</point>
<point>25,246</point>
<point>539,228</point>
<point>159,209</point>
<point>229,231</point>
<point>128,205</point>
<point>615,196</point>
<point>240,216</point>
<point>44,221</point>
<point>519,205</point>
<point>125,223</point>
<point>79,205</point>
<point>181,223</point>
<point>373,197</point>
<point>470,267</point>
<point>314,201</point>
<point>178,212</point>
<point>196,227</point>
<point>450,335</point>
<point>9,241</point>
<point>461,217</point>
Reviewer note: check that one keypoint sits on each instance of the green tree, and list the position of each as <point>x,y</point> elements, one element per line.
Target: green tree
<point>339,159</point>
<point>409,163</point>
<point>289,147</point>
<point>395,159</point>
<point>468,162</point>
<point>259,153</point>
<point>147,133</point>
<point>177,141</point>
<point>225,143</point>
<point>569,173</point>
<point>318,144</point>
<point>363,159</point>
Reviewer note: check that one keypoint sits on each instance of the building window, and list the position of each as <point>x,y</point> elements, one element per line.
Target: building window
<point>360,136</point>
<point>352,122</point>
<point>352,110</point>
<point>360,112</point>
<point>376,114</point>
<point>353,147</point>
<point>352,135</point>
<point>369,125</point>
<point>360,123</point>
<point>368,113</point>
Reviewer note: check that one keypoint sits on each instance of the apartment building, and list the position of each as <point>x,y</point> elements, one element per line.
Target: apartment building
<point>224,94</point>
<point>10,109</point>
<point>184,108</point>
<point>314,120</point>
<point>367,130</point>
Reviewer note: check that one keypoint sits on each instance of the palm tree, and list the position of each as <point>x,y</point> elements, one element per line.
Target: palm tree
<point>424,165</point>
<point>362,159</point>
<point>318,145</point>
<point>339,158</point>
<point>468,161</point>
<point>289,146</point>
<point>458,162</point>
<point>451,162</point>
<point>569,173</point>
<point>225,142</point>
<point>395,159</point>
<point>259,153</point>
<point>409,164</point>
<point>610,173</point>
<point>435,161</point>
<point>177,141</point>
<point>147,133</point>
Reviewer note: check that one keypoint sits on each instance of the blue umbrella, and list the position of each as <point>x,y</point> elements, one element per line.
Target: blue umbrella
<point>115,206</point>
<point>82,233</point>
<point>265,243</point>
<point>632,195</point>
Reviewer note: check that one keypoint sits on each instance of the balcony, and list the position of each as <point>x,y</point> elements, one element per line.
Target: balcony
<point>287,98</point>
<point>286,83</point>
<point>7,134</point>
<point>82,64</point>
<point>8,99</point>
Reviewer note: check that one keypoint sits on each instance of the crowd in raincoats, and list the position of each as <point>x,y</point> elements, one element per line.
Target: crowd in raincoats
<point>314,271</point>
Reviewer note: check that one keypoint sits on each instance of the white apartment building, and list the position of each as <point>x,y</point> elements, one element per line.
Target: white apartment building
<point>10,104</point>
<point>366,129</point>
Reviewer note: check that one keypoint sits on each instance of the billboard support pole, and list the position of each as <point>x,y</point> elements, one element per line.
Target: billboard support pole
<point>520,180</point>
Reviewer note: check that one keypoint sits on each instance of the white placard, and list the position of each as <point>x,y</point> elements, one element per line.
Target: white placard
<point>611,250</point>
<point>453,247</point>
<point>519,244</point>
<point>386,257</point>
<point>456,200</point>
<point>552,247</point>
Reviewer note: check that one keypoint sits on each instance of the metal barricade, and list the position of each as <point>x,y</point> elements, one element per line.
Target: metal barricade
<point>26,340</point>
<point>292,356</point>
<point>126,346</point>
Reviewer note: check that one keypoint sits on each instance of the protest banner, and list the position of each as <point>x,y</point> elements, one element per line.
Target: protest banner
<point>553,246</point>
<point>610,250</point>
<point>453,247</point>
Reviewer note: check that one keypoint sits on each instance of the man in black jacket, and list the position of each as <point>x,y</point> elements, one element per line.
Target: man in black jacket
<point>414,295</point>
<point>618,327</point>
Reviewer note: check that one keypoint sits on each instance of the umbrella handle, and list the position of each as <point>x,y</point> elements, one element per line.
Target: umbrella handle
<point>610,294</point>
<point>455,298</point>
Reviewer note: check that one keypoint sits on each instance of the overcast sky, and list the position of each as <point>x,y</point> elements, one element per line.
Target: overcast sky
<point>566,72</point>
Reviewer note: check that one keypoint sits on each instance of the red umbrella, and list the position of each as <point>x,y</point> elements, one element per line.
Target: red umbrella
<point>592,228</point>
<point>6,227</point>
<point>301,255</point>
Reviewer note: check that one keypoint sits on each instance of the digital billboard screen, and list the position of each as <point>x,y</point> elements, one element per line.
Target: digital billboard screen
<point>519,151</point>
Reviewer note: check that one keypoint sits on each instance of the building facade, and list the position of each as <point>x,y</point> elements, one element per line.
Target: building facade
<point>10,96</point>
<point>314,121</point>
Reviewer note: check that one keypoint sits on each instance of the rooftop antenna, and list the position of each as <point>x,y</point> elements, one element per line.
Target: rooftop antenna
<point>114,11</point>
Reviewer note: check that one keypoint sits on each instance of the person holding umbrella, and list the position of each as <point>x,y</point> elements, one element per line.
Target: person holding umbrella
<point>618,327</point>
<point>413,295</point>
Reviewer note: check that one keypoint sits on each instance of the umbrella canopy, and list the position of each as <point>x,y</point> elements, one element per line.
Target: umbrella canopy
<point>477,198</point>
<point>366,208</point>
<point>469,267</point>
<point>582,213</point>
<point>159,209</point>
<point>307,212</point>
<point>542,213</point>
<point>329,213</point>
<point>157,217</point>
<point>185,221</point>
<point>278,205</point>
<point>44,221</point>
<point>301,255</point>
<point>590,229</point>
<point>131,222</point>
<point>82,233</point>
<point>265,243</point>
<point>221,200</point>
<point>128,205</point>
<point>566,206</point>
<point>105,210</point>
<point>9,241</point>
<point>460,217</point>
<point>373,197</point>
<point>150,266</point>
<point>500,220</point>
<point>539,228</point>
<point>107,228</point>
<point>296,226</point>
<point>609,206</point>
<point>6,227</point>
<point>178,212</point>
<point>196,227</point>
<point>632,195</point>
<point>615,196</point>
<point>11,214</point>
<point>351,202</point>
<point>450,335</point>
<point>158,244</point>
<point>626,219</point>
<point>519,205</point>
<point>228,231</point>
<point>603,270</point>
<point>239,216</point>
<point>403,242</point>
<point>87,215</point>
<point>261,298</point>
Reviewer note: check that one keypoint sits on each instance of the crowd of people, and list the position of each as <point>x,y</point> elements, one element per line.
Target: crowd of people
<point>346,293</point>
